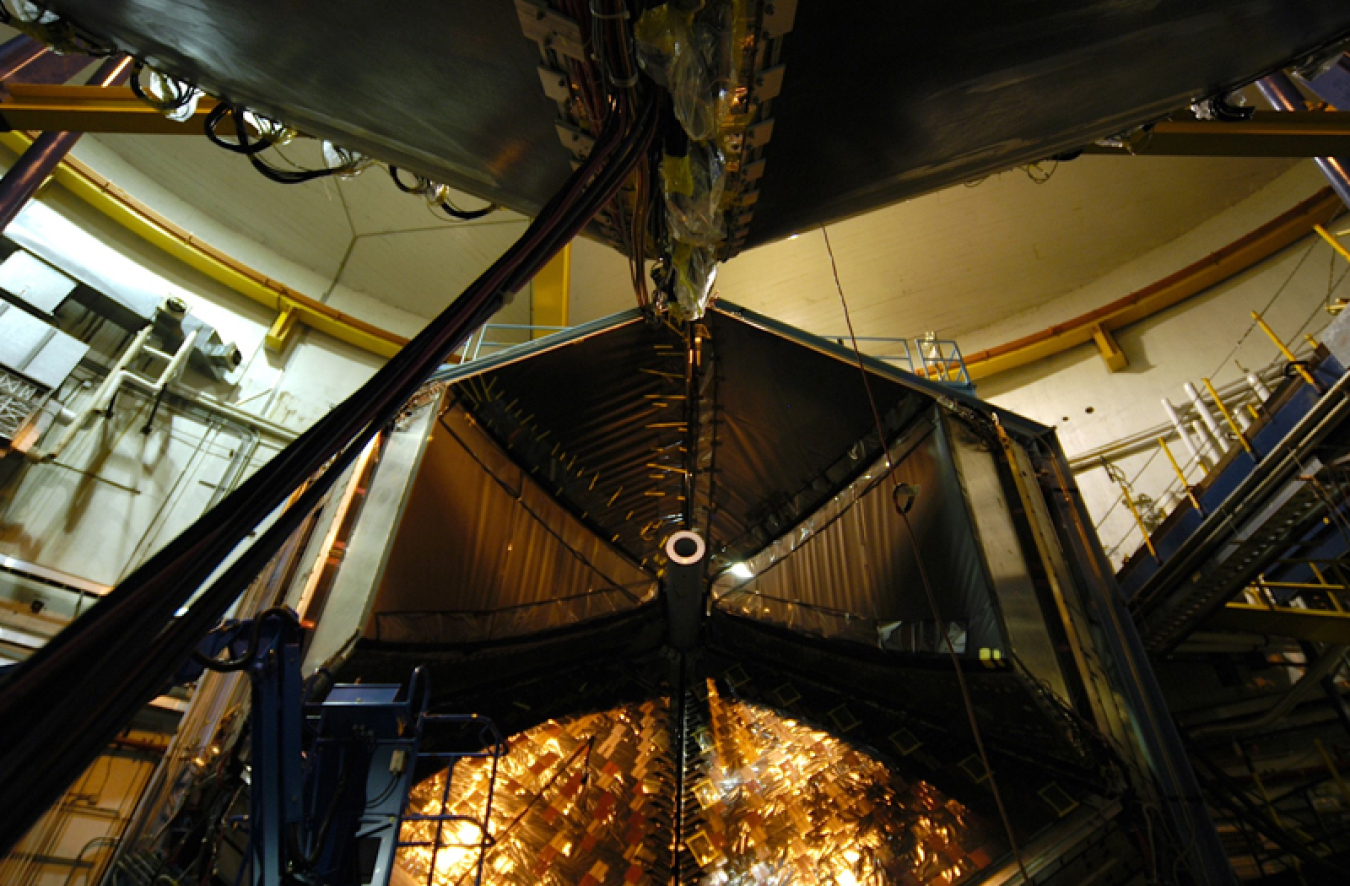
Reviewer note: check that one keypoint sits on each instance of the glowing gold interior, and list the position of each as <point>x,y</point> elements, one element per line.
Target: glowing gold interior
<point>769,802</point>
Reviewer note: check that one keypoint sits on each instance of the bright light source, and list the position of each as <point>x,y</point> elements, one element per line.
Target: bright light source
<point>742,570</point>
<point>794,236</point>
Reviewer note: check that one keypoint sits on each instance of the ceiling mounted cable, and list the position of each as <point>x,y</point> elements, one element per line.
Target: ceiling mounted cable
<point>242,144</point>
<point>437,195</point>
<point>902,507</point>
<point>169,95</point>
<point>59,708</point>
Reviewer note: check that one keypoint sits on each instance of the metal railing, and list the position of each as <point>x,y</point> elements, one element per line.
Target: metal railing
<point>1209,429</point>
<point>490,338</point>
<point>937,359</point>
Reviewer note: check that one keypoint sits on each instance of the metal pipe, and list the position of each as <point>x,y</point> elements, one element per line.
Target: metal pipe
<point>99,401</point>
<point>28,173</point>
<point>1283,95</point>
<point>19,53</point>
<point>1228,417</point>
<point>1208,447</point>
<point>1202,410</point>
<point>1236,390</point>
<point>1184,434</point>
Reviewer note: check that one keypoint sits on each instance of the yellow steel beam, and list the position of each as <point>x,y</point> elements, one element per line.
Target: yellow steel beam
<point>1267,134</point>
<point>60,108</point>
<point>1111,354</point>
<point>1313,625</point>
<point>1227,262</point>
<point>1333,241</point>
<point>551,296</point>
<point>293,309</point>
<point>1284,350</point>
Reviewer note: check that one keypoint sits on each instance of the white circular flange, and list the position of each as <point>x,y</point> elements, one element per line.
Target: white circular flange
<point>699,548</point>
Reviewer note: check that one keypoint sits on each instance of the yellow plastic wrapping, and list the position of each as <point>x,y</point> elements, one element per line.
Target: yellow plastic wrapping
<point>695,272</point>
<point>690,52</point>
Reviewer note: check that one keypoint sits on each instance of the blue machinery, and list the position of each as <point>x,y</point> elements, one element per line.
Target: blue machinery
<point>330,779</point>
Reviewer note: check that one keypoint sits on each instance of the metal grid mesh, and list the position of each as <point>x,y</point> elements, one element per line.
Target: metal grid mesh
<point>19,399</point>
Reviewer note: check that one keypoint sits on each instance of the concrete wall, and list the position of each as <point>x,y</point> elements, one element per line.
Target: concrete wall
<point>1211,335</point>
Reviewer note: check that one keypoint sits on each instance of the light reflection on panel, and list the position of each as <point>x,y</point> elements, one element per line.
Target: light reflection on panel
<point>771,802</point>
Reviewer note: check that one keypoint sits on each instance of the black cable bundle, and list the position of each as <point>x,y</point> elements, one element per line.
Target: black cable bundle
<point>60,708</point>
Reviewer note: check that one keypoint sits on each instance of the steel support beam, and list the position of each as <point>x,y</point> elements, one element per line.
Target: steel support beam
<point>1297,133</point>
<point>1284,96</point>
<point>1315,625</point>
<point>19,53</point>
<point>28,173</point>
<point>1333,84</point>
<point>59,108</point>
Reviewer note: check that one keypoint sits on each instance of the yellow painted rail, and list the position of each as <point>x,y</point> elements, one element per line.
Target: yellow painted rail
<point>1215,268</point>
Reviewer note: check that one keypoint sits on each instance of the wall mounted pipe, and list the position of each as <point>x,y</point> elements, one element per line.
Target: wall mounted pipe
<point>1090,459</point>
<point>1207,429</point>
<point>120,374</point>
<point>1182,431</point>
<point>100,399</point>
<point>1283,95</point>
<point>1258,386</point>
<point>1212,451</point>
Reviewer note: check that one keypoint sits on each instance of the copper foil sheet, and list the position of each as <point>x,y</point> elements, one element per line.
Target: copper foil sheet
<point>769,802</point>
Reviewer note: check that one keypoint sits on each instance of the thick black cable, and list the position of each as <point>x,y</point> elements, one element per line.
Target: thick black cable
<point>419,186</point>
<point>423,187</point>
<point>251,149</point>
<point>60,707</point>
<point>147,688</point>
<point>243,145</point>
<point>293,176</point>
<point>465,214</point>
<point>172,103</point>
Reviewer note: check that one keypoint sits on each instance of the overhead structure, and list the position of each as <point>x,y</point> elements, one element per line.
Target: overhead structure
<point>469,93</point>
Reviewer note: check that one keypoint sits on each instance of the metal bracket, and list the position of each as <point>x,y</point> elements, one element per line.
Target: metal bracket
<point>551,30</point>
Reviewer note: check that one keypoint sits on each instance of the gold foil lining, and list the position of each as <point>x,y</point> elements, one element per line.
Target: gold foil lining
<point>772,802</point>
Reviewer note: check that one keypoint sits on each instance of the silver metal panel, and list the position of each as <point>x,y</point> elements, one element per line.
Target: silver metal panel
<point>34,282</point>
<point>353,592</point>
<point>36,350</point>
<point>1023,617</point>
<point>58,358</point>
<point>22,336</point>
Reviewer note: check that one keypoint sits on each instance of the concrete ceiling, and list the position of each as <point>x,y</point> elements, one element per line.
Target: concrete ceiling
<point>950,262</point>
